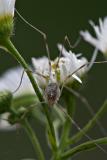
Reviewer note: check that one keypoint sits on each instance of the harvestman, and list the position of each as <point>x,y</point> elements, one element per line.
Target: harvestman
<point>52,90</point>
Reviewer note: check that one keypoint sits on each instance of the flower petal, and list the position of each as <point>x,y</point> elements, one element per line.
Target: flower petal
<point>77,78</point>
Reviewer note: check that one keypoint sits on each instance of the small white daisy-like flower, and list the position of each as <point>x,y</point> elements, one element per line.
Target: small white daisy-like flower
<point>100,42</point>
<point>7,7</point>
<point>69,64</point>
<point>6,18</point>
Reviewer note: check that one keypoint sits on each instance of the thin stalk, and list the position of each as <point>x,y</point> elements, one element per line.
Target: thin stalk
<point>70,106</point>
<point>83,147</point>
<point>70,100</point>
<point>14,52</point>
<point>34,139</point>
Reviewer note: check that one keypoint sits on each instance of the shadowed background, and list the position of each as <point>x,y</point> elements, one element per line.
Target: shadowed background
<point>56,19</point>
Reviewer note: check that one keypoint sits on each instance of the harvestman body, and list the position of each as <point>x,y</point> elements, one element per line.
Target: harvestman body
<point>52,93</point>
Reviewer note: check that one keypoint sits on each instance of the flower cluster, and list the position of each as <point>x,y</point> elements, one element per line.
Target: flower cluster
<point>67,65</point>
<point>61,68</point>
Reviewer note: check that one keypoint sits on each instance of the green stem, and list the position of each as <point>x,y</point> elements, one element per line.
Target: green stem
<point>34,140</point>
<point>67,126</point>
<point>70,106</point>
<point>83,147</point>
<point>14,52</point>
<point>89,125</point>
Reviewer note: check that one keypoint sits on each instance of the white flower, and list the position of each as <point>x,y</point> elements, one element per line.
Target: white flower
<point>7,7</point>
<point>100,42</point>
<point>5,125</point>
<point>10,80</point>
<point>69,64</point>
<point>6,19</point>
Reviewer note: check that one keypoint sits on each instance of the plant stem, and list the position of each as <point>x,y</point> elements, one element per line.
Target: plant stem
<point>83,147</point>
<point>70,100</point>
<point>70,107</point>
<point>89,125</point>
<point>14,52</point>
<point>33,138</point>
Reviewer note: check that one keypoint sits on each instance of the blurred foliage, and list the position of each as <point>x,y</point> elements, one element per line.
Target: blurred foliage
<point>56,19</point>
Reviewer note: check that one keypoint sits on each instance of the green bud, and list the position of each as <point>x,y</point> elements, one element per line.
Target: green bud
<point>6,26</point>
<point>6,18</point>
<point>5,101</point>
<point>13,119</point>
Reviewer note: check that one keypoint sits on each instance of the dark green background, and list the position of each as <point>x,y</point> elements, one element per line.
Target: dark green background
<point>56,19</point>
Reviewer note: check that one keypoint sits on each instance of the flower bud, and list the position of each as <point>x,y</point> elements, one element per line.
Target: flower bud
<point>6,18</point>
<point>5,101</point>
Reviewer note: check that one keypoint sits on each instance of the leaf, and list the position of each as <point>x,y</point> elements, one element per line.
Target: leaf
<point>83,147</point>
<point>89,125</point>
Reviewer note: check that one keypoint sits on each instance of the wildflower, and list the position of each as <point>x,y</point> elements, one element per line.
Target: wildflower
<point>100,42</point>
<point>6,17</point>
<point>66,66</point>
<point>69,63</point>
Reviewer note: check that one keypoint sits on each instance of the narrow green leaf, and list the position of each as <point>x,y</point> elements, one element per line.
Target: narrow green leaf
<point>89,125</point>
<point>83,147</point>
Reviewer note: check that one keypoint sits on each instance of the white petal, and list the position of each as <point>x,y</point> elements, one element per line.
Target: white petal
<point>12,6</point>
<point>41,64</point>
<point>96,29</point>
<point>63,50</point>
<point>77,78</point>
<point>7,7</point>
<point>100,24</point>
<point>70,64</point>
<point>87,37</point>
